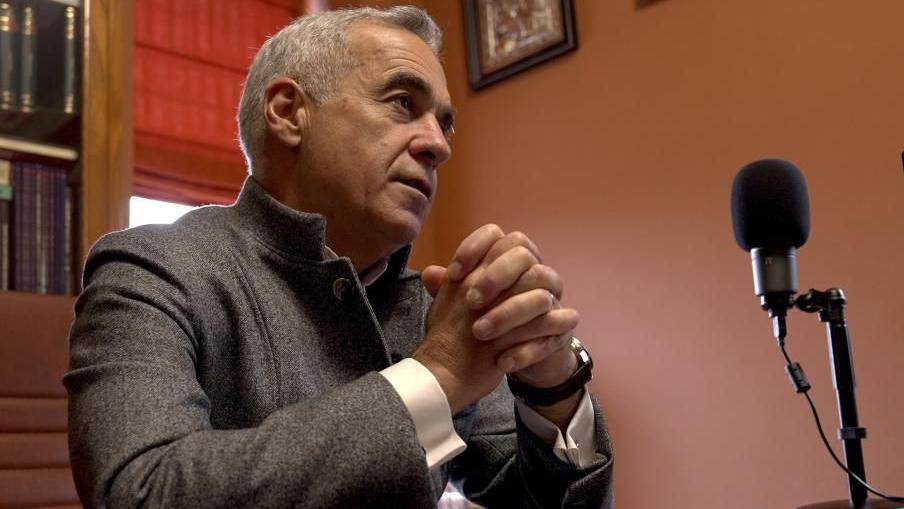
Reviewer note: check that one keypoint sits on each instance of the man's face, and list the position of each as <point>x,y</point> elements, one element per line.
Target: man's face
<point>369,154</point>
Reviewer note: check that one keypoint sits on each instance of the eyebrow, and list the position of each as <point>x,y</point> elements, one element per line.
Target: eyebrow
<point>411,81</point>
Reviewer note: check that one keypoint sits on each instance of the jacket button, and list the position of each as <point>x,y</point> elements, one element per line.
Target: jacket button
<point>342,289</point>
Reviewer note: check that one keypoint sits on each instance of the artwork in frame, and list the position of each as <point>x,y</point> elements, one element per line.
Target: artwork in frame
<point>506,37</point>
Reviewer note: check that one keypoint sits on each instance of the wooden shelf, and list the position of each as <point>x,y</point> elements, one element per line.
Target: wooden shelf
<point>18,145</point>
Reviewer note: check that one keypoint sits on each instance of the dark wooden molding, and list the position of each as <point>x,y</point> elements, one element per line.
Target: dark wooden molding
<point>106,165</point>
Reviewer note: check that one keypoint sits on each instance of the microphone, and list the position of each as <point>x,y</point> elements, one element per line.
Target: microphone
<point>770,213</point>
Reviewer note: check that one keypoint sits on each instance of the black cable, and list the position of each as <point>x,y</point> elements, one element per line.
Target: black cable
<point>785,352</point>
<point>825,441</point>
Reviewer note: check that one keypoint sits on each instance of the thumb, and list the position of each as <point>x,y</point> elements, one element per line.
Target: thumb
<point>433,277</point>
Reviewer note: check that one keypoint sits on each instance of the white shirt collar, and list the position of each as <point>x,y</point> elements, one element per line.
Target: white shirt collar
<point>368,275</point>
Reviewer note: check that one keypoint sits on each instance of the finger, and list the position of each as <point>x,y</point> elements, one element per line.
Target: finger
<point>554,323</point>
<point>510,241</point>
<point>499,275</point>
<point>432,277</point>
<point>472,249</point>
<point>513,312</point>
<point>537,276</point>
<point>528,353</point>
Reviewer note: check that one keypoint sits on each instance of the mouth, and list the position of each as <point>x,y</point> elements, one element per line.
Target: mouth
<point>420,185</point>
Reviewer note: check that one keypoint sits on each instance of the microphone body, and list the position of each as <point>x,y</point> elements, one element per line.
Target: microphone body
<point>771,219</point>
<point>774,276</point>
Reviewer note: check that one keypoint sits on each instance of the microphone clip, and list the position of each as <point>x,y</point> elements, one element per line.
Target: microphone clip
<point>829,304</point>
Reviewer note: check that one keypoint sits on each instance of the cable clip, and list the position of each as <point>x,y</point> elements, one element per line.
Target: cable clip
<point>797,377</point>
<point>851,433</point>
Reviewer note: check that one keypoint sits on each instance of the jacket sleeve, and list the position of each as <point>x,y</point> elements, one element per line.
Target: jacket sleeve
<point>140,427</point>
<point>507,466</point>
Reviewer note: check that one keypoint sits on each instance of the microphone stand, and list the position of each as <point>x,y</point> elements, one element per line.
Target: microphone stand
<point>830,307</point>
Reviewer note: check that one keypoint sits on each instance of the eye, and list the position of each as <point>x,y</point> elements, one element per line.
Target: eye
<point>406,102</point>
<point>447,127</point>
<point>448,131</point>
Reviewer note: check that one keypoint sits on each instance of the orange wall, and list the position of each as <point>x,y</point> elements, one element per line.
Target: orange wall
<point>618,159</point>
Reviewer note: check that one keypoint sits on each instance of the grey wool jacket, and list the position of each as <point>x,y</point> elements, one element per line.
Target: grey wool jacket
<point>222,361</point>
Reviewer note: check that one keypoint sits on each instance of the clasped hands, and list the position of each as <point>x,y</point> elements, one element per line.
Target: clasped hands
<point>496,310</point>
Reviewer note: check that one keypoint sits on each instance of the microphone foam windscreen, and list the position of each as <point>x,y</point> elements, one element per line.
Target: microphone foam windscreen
<point>769,205</point>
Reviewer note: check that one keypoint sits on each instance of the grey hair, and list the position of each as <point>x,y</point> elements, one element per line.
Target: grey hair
<point>312,51</point>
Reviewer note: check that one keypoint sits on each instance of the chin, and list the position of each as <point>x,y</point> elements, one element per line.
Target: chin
<point>403,231</point>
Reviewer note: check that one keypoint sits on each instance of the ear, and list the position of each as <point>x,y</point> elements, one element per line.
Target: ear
<point>284,111</point>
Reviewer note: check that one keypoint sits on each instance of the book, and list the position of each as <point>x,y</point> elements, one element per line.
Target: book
<point>5,199</point>
<point>69,61</point>
<point>5,254</point>
<point>16,220</point>
<point>40,225</point>
<point>6,189</point>
<point>26,232</point>
<point>60,261</point>
<point>69,240</point>
<point>27,81</point>
<point>8,29</point>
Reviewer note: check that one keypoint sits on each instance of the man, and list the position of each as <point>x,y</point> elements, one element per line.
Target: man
<point>276,353</point>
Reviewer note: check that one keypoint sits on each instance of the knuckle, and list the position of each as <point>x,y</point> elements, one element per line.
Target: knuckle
<point>492,275</point>
<point>519,238</point>
<point>562,322</point>
<point>500,315</point>
<point>535,274</point>
<point>522,252</point>
<point>553,275</point>
<point>493,230</point>
<point>550,300</point>
<point>463,252</point>
<point>546,276</point>
<point>546,271</point>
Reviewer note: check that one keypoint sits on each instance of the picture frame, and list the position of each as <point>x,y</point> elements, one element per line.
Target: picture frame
<point>505,37</point>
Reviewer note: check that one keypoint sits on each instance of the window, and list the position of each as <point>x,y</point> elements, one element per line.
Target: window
<point>146,211</point>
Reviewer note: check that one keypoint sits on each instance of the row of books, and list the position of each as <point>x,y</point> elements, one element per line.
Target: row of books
<point>39,69</point>
<point>36,228</point>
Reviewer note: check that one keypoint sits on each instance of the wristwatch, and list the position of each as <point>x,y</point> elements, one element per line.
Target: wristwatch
<point>546,396</point>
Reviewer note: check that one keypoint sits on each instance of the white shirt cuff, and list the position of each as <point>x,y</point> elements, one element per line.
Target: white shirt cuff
<point>578,446</point>
<point>429,409</point>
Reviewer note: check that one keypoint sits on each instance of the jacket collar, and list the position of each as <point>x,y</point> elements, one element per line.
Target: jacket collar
<point>293,233</point>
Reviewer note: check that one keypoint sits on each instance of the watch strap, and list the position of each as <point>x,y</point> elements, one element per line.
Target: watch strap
<point>546,396</point>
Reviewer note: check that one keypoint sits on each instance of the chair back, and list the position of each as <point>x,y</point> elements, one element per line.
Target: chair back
<point>34,355</point>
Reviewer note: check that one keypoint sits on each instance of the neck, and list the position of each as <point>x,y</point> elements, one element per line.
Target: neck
<point>356,241</point>
<point>355,246</point>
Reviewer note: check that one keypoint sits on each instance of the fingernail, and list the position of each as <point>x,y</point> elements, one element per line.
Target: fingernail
<point>507,364</point>
<point>454,271</point>
<point>483,328</point>
<point>474,297</point>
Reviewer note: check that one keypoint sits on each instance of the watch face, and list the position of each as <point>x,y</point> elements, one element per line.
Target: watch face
<point>585,357</point>
<point>582,354</point>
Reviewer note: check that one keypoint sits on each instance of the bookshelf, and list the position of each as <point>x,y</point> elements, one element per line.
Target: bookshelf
<point>80,121</point>
<point>93,142</point>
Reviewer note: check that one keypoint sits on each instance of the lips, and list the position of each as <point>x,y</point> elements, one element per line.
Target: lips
<point>419,184</point>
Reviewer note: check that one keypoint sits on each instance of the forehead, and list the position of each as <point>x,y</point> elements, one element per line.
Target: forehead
<point>382,51</point>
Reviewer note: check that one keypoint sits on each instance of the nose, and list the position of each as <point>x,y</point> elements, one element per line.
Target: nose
<point>430,145</point>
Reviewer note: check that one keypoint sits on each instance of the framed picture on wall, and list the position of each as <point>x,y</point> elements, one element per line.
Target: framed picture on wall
<point>506,37</point>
